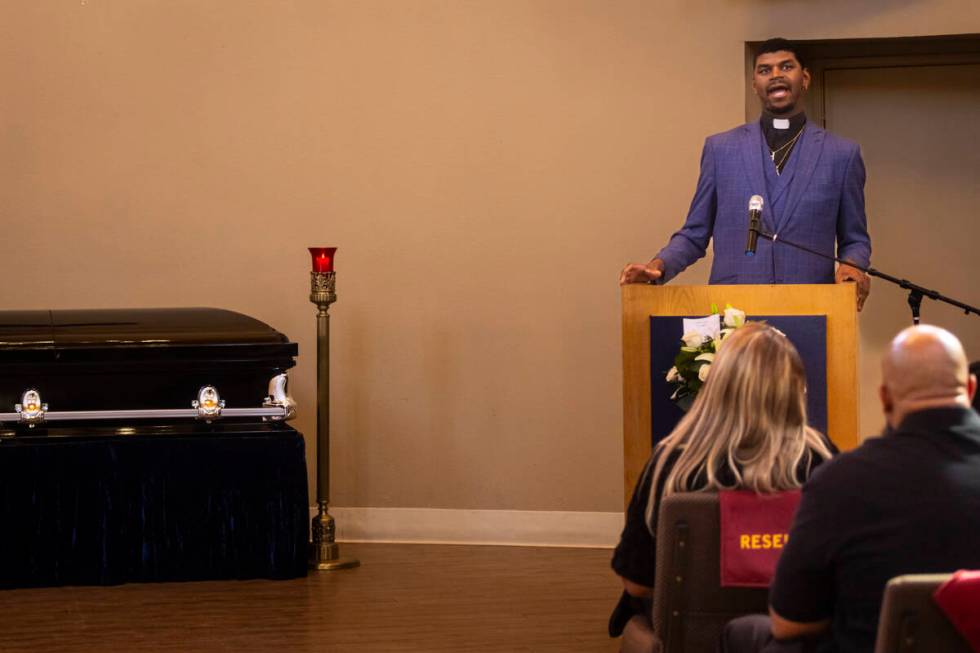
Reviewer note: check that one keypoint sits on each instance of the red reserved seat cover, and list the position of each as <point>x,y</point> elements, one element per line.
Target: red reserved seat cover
<point>959,599</point>
<point>754,530</point>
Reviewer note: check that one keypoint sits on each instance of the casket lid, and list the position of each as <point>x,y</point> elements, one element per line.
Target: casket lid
<point>112,333</point>
<point>139,358</point>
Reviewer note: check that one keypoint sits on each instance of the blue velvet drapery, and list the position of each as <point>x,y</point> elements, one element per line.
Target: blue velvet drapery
<point>153,507</point>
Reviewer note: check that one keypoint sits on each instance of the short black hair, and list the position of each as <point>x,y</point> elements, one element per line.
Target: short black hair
<point>779,45</point>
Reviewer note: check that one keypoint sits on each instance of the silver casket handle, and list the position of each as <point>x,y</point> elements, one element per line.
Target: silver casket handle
<point>209,406</point>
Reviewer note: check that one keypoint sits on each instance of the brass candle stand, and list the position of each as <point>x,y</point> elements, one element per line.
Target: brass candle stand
<point>325,554</point>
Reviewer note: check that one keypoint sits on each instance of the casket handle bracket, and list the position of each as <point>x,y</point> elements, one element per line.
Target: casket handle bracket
<point>279,398</point>
<point>31,409</point>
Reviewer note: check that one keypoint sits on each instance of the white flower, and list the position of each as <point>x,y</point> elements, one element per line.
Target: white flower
<point>734,318</point>
<point>672,375</point>
<point>703,372</point>
<point>693,339</point>
<point>707,356</point>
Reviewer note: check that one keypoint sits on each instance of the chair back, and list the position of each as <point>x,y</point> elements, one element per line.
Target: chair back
<point>690,607</point>
<point>754,530</point>
<point>911,622</point>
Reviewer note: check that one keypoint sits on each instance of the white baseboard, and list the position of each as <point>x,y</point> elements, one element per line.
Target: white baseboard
<point>501,527</point>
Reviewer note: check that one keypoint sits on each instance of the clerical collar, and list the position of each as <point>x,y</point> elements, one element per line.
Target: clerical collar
<point>779,130</point>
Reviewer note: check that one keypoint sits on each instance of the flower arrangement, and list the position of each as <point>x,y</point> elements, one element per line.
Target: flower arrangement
<point>692,365</point>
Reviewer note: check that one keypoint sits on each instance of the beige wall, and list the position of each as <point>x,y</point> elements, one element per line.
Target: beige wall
<point>486,167</point>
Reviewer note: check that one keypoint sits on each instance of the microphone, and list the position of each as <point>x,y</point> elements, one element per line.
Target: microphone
<point>755,213</point>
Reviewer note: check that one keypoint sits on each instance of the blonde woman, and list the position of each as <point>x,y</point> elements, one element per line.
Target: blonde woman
<point>747,429</point>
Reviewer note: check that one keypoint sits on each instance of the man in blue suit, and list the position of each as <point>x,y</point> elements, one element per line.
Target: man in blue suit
<point>811,181</point>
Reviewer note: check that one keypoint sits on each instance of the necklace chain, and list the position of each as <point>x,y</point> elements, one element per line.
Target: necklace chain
<point>774,152</point>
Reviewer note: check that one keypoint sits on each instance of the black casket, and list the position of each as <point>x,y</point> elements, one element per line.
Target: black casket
<point>147,445</point>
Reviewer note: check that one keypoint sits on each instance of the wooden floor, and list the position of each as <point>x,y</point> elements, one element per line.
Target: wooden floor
<point>402,598</point>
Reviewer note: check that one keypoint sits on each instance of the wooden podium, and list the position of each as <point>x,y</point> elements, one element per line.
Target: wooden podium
<point>837,302</point>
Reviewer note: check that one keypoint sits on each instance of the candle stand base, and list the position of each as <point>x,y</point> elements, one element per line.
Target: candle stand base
<point>342,562</point>
<point>324,551</point>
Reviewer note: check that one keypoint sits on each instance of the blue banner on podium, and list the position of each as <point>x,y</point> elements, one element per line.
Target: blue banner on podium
<point>808,333</point>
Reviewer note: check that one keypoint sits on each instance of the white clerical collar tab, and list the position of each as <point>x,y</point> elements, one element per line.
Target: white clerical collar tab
<point>780,123</point>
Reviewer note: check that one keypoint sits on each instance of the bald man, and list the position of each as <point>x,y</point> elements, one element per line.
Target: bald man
<point>903,503</point>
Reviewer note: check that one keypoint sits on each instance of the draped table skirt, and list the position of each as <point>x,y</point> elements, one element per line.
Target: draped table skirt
<point>171,506</point>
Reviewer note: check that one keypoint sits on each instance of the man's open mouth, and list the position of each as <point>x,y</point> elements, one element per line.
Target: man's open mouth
<point>778,91</point>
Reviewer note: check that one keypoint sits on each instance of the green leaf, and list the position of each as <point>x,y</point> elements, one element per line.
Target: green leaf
<point>686,356</point>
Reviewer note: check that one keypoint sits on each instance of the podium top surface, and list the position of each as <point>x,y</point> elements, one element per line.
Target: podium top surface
<point>783,299</point>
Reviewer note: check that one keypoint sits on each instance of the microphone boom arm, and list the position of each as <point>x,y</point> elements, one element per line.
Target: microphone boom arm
<point>916,292</point>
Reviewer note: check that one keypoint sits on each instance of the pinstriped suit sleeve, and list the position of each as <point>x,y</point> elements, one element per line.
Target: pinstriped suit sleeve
<point>690,243</point>
<point>853,242</point>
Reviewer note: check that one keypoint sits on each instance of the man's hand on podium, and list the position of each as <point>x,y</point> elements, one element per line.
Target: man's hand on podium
<point>642,273</point>
<point>847,273</point>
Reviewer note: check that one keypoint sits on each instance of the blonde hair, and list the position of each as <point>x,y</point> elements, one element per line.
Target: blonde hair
<point>749,418</point>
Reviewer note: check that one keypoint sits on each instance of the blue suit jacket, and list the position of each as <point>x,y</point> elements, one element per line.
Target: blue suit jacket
<point>820,207</point>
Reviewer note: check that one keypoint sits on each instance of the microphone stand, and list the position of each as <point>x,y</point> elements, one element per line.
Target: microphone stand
<point>916,292</point>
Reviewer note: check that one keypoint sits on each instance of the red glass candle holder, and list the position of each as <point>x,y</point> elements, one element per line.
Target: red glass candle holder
<point>322,258</point>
